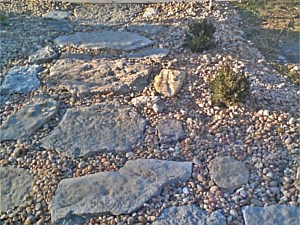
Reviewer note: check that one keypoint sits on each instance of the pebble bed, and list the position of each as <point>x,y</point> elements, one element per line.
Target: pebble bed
<point>263,131</point>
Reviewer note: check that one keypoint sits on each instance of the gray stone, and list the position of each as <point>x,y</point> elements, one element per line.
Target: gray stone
<point>105,39</point>
<point>15,184</point>
<point>271,215</point>
<point>189,215</point>
<point>151,101</point>
<point>147,28</point>
<point>169,82</point>
<point>85,77</point>
<point>44,55</point>
<point>149,53</point>
<point>170,131</point>
<point>21,79</point>
<point>119,192</point>
<point>56,15</point>
<point>228,173</point>
<point>104,127</point>
<point>28,119</point>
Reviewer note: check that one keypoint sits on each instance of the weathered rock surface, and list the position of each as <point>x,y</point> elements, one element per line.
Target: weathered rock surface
<point>84,77</point>
<point>154,102</point>
<point>28,119</point>
<point>43,55</point>
<point>117,40</point>
<point>149,53</point>
<point>56,15</point>
<point>228,173</point>
<point>170,131</point>
<point>169,82</point>
<point>147,28</point>
<point>104,127</point>
<point>271,215</point>
<point>15,183</point>
<point>189,215</point>
<point>118,192</point>
<point>21,79</point>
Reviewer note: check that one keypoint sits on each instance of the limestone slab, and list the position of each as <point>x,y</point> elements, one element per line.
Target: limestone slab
<point>118,40</point>
<point>272,215</point>
<point>228,173</point>
<point>119,192</point>
<point>28,119</point>
<point>149,29</point>
<point>169,82</point>
<point>15,184</point>
<point>56,15</point>
<point>43,55</point>
<point>21,79</point>
<point>189,215</point>
<point>170,131</point>
<point>149,53</point>
<point>107,127</point>
<point>85,77</point>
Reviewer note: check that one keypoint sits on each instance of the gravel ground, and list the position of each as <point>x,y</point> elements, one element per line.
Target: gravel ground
<point>263,131</point>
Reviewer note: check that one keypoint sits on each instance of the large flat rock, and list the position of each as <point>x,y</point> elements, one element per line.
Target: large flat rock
<point>228,173</point>
<point>189,215</point>
<point>15,184</point>
<point>170,131</point>
<point>85,77</point>
<point>21,79</point>
<point>28,119</point>
<point>271,215</point>
<point>118,40</point>
<point>118,192</point>
<point>104,127</point>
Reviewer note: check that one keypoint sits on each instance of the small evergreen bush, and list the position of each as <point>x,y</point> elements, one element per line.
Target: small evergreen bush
<point>228,87</point>
<point>200,36</point>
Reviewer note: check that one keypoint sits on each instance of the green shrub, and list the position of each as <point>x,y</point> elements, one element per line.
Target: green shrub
<point>200,36</point>
<point>227,88</point>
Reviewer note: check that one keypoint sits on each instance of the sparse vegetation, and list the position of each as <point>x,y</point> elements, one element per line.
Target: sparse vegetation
<point>200,37</point>
<point>227,88</point>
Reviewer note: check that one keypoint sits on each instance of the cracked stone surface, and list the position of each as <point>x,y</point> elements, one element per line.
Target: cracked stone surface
<point>85,77</point>
<point>271,215</point>
<point>118,40</point>
<point>118,192</point>
<point>107,127</point>
<point>170,131</point>
<point>15,184</point>
<point>43,55</point>
<point>189,215</point>
<point>149,53</point>
<point>228,173</point>
<point>28,119</point>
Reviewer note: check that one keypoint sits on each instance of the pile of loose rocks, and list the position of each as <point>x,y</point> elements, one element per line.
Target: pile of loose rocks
<point>107,119</point>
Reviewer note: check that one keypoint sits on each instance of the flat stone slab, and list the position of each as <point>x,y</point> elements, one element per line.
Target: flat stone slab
<point>15,184</point>
<point>107,127</point>
<point>85,77</point>
<point>228,173</point>
<point>21,79</point>
<point>119,192</point>
<point>271,215</point>
<point>189,215</point>
<point>44,55</point>
<point>170,131</point>
<point>28,119</point>
<point>56,15</point>
<point>118,40</point>
<point>169,82</point>
<point>146,28</point>
<point>149,53</point>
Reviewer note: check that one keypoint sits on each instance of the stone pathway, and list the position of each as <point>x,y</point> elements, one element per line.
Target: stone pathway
<point>112,124</point>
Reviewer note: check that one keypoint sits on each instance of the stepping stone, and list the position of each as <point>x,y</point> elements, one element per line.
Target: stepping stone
<point>15,184</point>
<point>271,215</point>
<point>28,119</point>
<point>170,131</point>
<point>107,127</point>
<point>118,40</point>
<point>44,55</point>
<point>85,77</point>
<point>118,192</point>
<point>149,53</point>
<point>228,173</point>
<point>56,15</point>
<point>147,28</point>
<point>189,215</point>
<point>169,82</point>
<point>21,79</point>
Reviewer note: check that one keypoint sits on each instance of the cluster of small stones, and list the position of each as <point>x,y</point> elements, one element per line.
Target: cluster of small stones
<point>263,132</point>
